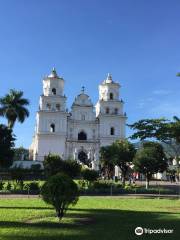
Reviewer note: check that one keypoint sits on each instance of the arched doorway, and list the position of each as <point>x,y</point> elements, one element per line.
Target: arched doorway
<point>83,158</point>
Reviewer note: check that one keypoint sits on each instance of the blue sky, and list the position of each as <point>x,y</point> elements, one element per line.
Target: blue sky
<point>138,41</point>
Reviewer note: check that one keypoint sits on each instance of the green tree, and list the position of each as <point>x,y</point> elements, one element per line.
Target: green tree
<point>52,164</point>
<point>72,168</point>
<point>107,164</point>
<point>6,146</point>
<point>150,159</point>
<point>122,154</point>
<point>162,130</point>
<point>89,175</point>
<point>20,154</point>
<point>60,191</point>
<point>13,107</point>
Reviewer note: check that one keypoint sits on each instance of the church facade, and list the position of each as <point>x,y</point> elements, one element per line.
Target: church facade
<point>77,134</point>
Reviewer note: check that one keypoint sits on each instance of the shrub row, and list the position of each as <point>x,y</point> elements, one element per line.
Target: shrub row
<point>20,187</point>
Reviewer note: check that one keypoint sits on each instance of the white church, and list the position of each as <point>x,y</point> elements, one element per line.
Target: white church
<point>80,133</point>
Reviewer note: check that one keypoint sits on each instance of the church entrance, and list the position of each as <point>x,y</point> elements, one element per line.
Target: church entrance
<point>83,158</point>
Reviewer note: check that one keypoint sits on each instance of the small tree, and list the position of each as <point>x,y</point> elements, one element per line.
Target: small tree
<point>150,159</point>
<point>106,160</point>
<point>53,164</point>
<point>60,191</point>
<point>21,154</point>
<point>72,168</point>
<point>6,145</point>
<point>122,154</point>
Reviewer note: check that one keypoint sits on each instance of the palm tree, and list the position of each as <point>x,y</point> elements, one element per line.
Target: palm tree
<point>12,106</point>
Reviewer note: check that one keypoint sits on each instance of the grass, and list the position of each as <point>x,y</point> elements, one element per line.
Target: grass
<point>93,218</point>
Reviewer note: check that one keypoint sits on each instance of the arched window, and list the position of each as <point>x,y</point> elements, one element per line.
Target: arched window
<point>54,91</point>
<point>52,127</point>
<point>82,136</point>
<point>111,96</point>
<point>112,131</point>
<point>57,106</point>
<point>107,110</point>
<point>48,106</point>
<point>116,111</point>
<point>82,116</point>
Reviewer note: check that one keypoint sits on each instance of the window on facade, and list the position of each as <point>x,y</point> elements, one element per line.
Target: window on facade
<point>116,111</point>
<point>82,116</point>
<point>107,110</point>
<point>112,131</point>
<point>52,127</point>
<point>82,136</point>
<point>54,91</point>
<point>48,106</point>
<point>111,96</point>
<point>57,106</point>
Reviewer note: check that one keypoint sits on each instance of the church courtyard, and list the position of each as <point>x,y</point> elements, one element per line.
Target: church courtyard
<point>92,218</point>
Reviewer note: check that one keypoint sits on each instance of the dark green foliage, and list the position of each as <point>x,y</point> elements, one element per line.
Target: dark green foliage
<point>6,144</point>
<point>163,130</point>
<point>89,175</point>
<point>36,167</point>
<point>13,107</point>
<point>150,159</point>
<point>18,174</point>
<point>60,191</point>
<point>1,185</point>
<point>54,164</point>
<point>20,154</point>
<point>72,168</point>
<point>122,154</point>
<point>107,164</point>
<point>8,186</point>
<point>32,187</point>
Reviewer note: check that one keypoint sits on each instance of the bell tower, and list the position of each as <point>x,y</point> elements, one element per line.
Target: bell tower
<point>109,111</point>
<point>51,118</point>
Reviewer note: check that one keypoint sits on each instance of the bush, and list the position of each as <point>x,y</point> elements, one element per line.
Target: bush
<point>53,164</point>
<point>32,187</point>
<point>8,186</point>
<point>89,175</point>
<point>1,185</point>
<point>60,191</point>
<point>71,168</point>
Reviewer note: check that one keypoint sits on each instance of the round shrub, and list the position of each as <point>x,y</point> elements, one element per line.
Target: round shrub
<point>60,191</point>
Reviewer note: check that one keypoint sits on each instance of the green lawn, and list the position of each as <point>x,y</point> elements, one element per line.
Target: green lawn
<point>93,218</point>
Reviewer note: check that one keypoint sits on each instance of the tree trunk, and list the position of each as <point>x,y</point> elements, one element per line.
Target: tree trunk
<point>147,181</point>
<point>60,213</point>
<point>123,179</point>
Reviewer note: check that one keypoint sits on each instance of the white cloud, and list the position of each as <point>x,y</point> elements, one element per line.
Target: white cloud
<point>144,102</point>
<point>162,92</point>
<point>166,109</point>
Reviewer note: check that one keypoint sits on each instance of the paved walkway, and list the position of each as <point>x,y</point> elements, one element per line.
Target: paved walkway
<point>172,196</point>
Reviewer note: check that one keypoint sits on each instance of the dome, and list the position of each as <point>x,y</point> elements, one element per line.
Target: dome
<point>82,100</point>
<point>53,74</point>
